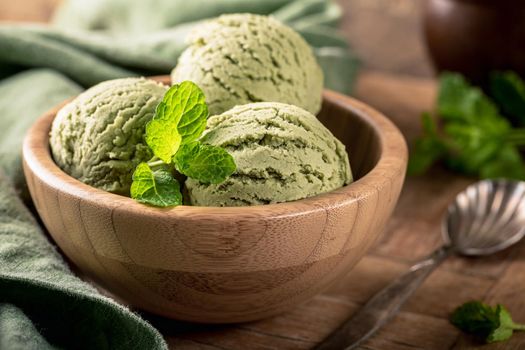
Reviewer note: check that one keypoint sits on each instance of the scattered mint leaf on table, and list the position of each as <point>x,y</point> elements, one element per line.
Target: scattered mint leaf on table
<point>206,163</point>
<point>470,135</point>
<point>508,89</point>
<point>172,134</point>
<point>157,187</point>
<point>490,324</point>
<point>179,118</point>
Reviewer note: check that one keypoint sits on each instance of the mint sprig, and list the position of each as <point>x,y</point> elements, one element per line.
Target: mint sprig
<point>469,134</point>
<point>172,135</point>
<point>490,324</point>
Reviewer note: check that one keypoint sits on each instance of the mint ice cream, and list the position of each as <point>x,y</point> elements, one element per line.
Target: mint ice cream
<point>283,153</point>
<point>242,58</point>
<point>98,137</point>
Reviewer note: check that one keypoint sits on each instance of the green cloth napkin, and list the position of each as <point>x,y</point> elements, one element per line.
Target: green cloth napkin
<point>42,304</point>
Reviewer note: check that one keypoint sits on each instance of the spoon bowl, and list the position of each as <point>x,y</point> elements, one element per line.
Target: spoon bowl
<point>486,217</point>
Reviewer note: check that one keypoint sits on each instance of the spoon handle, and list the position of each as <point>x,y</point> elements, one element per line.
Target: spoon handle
<point>382,306</point>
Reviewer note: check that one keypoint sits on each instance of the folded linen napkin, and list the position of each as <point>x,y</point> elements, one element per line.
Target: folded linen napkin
<point>42,304</point>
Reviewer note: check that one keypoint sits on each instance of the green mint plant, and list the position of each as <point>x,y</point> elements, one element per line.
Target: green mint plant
<point>173,136</point>
<point>490,324</point>
<point>508,90</point>
<point>471,136</point>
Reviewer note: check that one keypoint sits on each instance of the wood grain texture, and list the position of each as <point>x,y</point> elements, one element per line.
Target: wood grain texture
<point>218,265</point>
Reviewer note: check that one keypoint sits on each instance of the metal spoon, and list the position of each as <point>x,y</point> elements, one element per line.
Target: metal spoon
<point>487,217</point>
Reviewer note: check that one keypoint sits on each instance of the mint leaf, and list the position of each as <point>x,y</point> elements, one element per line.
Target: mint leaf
<point>157,188</point>
<point>508,163</point>
<point>458,100</point>
<point>488,323</point>
<point>427,149</point>
<point>508,89</point>
<point>179,118</point>
<point>505,326</point>
<point>193,121</point>
<point>476,318</point>
<point>472,146</point>
<point>162,135</point>
<point>206,163</point>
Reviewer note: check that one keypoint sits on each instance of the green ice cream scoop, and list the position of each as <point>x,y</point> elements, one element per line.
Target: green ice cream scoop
<point>98,137</point>
<point>283,153</point>
<point>242,58</point>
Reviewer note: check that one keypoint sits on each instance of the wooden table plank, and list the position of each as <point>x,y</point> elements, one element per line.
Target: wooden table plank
<point>185,344</point>
<point>431,334</point>
<point>364,280</point>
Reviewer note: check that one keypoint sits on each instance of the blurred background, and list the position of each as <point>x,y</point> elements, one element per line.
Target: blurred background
<point>385,34</point>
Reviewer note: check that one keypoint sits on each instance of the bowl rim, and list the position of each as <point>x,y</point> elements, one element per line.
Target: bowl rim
<point>392,161</point>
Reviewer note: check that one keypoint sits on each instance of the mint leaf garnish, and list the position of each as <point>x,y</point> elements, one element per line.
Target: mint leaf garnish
<point>179,118</point>
<point>172,134</point>
<point>491,324</point>
<point>193,121</point>
<point>162,135</point>
<point>157,187</point>
<point>206,163</point>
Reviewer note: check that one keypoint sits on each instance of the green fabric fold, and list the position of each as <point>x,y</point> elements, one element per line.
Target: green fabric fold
<point>23,98</point>
<point>42,304</point>
<point>17,331</point>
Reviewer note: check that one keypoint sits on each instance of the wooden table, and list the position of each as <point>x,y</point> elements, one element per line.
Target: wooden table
<point>412,232</point>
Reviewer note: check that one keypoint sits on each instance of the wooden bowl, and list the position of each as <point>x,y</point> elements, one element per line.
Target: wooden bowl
<point>222,265</point>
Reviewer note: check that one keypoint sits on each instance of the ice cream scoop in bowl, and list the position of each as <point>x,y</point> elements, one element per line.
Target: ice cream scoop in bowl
<point>225,264</point>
